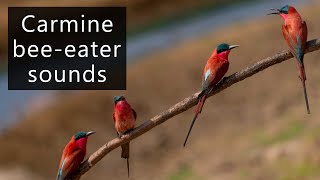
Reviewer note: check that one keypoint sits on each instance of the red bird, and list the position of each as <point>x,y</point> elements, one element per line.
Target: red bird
<point>216,67</point>
<point>295,33</point>
<point>124,118</point>
<point>73,154</point>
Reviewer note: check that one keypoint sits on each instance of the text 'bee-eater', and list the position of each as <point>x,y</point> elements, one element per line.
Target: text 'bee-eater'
<point>73,154</point>
<point>216,67</point>
<point>295,33</point>
<point>124,118</point>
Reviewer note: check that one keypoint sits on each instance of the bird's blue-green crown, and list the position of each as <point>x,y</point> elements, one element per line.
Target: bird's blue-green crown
<point>222,47</point>
<point>284,9</point>
<point>118,98</point>
<point>80,135</point>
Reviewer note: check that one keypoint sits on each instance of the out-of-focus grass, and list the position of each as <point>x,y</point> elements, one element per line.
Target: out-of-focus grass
<point>184,173</point>
<point>244,174</point>
<point>293,130</point>
<point>299,171</point>
<point>314,132</point>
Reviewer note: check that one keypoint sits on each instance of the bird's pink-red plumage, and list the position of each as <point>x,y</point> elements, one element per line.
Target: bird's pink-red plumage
<point>218,65</point>
<point>295,32</point>
<point>124,118</point>
<point>215,69</point>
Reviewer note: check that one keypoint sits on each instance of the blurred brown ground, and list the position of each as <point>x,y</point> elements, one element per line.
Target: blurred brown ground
<point>257,129</point>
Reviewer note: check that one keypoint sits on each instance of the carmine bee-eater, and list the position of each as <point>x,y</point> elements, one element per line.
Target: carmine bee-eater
<point>73,154</point>
<point>124,118</point>
<point>216,67</point>
<point>295,33</point>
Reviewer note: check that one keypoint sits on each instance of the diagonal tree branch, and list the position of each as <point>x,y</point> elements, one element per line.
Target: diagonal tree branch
<point>186,104</point>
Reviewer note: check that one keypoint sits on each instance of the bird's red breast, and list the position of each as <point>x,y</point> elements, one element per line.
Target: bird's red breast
<point>216,67</point>
<point>293,19</point>
<point>123,116</point>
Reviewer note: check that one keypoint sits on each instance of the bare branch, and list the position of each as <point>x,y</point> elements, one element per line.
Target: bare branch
<point>186,104</point>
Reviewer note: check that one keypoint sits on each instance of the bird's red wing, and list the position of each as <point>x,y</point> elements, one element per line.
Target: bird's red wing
<point>70,163</point>
<point>218,69</point>
<point>296,40</point>
<point>114,120</point>
<point>134,114</point>
<point>66,151</point>
<point>303,35</point>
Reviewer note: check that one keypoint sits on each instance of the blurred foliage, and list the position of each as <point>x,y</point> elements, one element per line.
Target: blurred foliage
<point>294,129</point>
<point>303,170</point>
<point>244,173</point>
<point>184,173</point>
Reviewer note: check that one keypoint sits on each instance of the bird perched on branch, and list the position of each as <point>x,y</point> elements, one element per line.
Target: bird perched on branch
<point>295,33</point>
<point>216,67</point>
<point>124,118</point>
<point>73,154</point>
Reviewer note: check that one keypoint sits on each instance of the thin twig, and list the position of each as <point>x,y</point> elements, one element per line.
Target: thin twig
<point>186,104</point>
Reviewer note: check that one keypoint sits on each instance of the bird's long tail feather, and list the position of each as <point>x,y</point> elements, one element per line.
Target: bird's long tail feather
<point>128,167</point>
<point>302,76</point>
<point>202,99</point>
<point>125,154</point>
<point>305,95</point>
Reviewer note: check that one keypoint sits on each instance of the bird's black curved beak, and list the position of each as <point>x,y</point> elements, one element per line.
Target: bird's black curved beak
<point>275,11</point>
<point>233,46</point>
<point>90,133</point>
